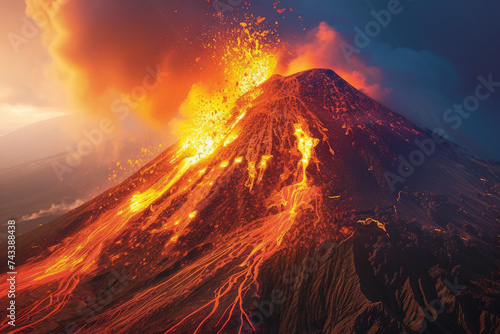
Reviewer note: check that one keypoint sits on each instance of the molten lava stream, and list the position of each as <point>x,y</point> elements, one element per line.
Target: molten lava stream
<point>264,241</point>
<point>243,251</point>
<point>51,304</point>
<point>78,254</point>
<point>75,258</point>
<point>72,259</point>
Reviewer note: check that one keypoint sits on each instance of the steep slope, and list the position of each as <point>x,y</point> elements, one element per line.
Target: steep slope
<point>289,226</point>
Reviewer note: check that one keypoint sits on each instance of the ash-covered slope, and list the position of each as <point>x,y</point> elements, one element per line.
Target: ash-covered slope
<point>289,226</point>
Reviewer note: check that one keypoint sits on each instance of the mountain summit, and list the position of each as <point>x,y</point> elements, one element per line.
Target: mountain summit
<point>315,214</point>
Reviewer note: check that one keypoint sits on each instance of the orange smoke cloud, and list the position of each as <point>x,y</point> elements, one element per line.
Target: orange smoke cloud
<point>147,55</point>
<point>323,51</point>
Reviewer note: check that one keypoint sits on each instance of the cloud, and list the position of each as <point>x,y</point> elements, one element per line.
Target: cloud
<point>104,49</point>
<point>55,209</point>
<point>321,49</point>
<point>414,83</point>
<point>13,116</point>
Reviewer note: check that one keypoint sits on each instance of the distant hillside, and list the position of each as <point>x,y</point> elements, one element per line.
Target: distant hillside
<point>30,190</point>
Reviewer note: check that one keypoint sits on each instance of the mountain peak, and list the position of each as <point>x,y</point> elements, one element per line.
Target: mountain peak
<point>316,77</point>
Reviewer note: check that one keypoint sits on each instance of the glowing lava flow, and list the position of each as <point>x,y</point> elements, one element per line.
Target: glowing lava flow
<point>244,251</point>
<point>263,242</point>
<point>214,125</point>
<point>211,120</point>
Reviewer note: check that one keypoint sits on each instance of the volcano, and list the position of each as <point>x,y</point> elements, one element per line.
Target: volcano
<point>298,222</point>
